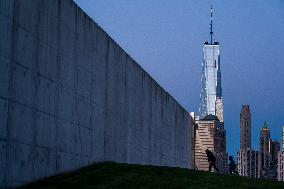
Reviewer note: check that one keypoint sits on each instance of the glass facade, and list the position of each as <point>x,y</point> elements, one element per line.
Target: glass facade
<point>211,79</point>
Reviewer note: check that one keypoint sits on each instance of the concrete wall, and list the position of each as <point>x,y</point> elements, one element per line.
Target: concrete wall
<point>70,96</point>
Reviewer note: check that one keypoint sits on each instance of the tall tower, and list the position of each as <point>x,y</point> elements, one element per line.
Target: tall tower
<point>247,157</point>
<point>264,150</point>
<point>211,91</point>
<point>245,127</point>
<point>211,133</point>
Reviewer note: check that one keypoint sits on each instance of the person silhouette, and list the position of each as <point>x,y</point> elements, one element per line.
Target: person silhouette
<point>211,160</point>
<point>232,166</point>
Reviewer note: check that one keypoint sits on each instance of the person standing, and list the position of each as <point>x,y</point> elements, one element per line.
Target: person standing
<point>211,160</point>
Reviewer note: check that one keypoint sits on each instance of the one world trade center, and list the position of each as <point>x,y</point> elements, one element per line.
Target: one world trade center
<point>211,90</point>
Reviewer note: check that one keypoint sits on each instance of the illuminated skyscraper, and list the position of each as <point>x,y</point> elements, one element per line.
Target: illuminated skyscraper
<point>211,133</point>
<point>211,91</point>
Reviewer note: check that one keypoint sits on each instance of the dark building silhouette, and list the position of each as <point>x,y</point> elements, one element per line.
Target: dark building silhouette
<point>267,154</point>
<point>245,127</point>
<point>280,160</point>
<point>247,157</point>
<point>264,145</point>
<point>275,148</point>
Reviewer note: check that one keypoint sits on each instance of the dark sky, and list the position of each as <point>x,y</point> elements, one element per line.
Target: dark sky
<point>166,38</point>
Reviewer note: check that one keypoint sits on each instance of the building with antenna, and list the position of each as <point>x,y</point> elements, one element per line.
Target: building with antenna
<point>210,133</point>
<point>211,90</point>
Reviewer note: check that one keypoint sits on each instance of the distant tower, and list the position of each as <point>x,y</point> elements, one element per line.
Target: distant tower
<point>280,160</point>
<point>245,127</point>
<point>274,149</point>
<point>211,133</point>
<point>283,138</point>
<point>264,150</point>
<point>211,89</point>
<point>247,157</point>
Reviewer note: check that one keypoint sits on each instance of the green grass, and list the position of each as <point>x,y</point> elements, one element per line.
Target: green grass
<point>117,175</point>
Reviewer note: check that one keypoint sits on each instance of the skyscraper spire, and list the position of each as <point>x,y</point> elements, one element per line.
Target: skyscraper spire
<point>211,26</point>
<point>211,89</point>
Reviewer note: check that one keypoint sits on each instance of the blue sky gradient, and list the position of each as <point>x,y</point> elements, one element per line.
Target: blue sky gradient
<point>166,38</point>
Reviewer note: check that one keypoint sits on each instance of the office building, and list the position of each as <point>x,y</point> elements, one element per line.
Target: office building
<point>283,138</point>
<point>248,163</point>
<point>211,135</point>
<point>280,160</point>
<point>264,150</point>
<point>274,149</point>
<point>245,127</point>
<point>247,157</point>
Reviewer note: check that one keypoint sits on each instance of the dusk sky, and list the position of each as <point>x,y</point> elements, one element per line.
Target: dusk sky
<point>166,38</point>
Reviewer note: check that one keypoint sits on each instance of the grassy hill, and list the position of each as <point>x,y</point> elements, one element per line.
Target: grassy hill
<point>116,175</point>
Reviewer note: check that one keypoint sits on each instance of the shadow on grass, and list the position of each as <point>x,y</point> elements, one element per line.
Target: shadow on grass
<point>117,175</point>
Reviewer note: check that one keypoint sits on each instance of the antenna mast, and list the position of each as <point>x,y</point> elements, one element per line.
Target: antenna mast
<point>211,26</point>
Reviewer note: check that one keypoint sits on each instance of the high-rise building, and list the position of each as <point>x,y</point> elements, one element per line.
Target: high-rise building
<point>280,166</point>
<point>248,162</point>
<point>283,138</point>
<point>280,160</point>
<point>245,127</point>
<point>268,152</point>
<point>247,157</point>
<point>264,150</point>
<point>211,135</point>
<point>274,149</point>
<point>220,148</point>
<point>211,89</point>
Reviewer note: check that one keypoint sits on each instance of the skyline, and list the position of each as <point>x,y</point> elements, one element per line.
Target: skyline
<point>148,31</point>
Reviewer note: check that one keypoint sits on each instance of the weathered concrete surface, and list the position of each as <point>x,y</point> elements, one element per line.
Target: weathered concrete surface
<point>70,96</point>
